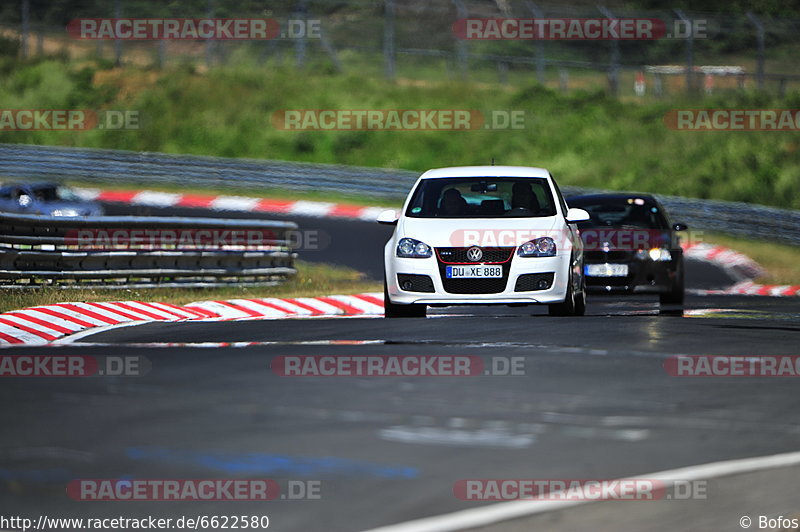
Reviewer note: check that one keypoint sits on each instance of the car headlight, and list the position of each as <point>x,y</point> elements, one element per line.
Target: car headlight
<point>655,254</point>
<point>413,249</point>
<point>540,247</point>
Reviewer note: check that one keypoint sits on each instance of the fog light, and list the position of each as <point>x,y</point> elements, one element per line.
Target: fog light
<point>542,284</point>
<point>406,285</point>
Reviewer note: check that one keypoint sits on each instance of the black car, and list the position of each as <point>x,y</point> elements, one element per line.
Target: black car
<point>47,199</point>
<point>630,246</point>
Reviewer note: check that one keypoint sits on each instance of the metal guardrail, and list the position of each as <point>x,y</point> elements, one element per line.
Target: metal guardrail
<point>127,251</point>
<point>110,166</point>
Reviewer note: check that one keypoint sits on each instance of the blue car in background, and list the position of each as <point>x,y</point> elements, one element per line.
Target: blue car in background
<point>46,199</point>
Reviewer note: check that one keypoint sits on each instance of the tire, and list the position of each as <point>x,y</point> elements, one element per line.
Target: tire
<point>674,296</point>
<point>568,306</point>
<point>580,301</point>
<point>392,310</point>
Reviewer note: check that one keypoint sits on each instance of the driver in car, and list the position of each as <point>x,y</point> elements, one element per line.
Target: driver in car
<point>523,199</point>
<point>453,203</point>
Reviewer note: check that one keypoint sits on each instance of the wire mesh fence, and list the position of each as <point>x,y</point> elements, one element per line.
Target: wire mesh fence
<point>420,40</point>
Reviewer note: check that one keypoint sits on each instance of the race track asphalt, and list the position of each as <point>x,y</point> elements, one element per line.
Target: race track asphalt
<point>594,400</point>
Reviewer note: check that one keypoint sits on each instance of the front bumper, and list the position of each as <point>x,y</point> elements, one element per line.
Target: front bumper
<point>644,277</point>
<point>558,265</point>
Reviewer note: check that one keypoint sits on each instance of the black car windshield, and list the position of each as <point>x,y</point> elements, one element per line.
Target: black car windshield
<point>634,213</point>
<point>482,197</point>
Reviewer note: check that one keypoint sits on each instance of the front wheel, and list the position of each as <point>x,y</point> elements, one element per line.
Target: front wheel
<point>393,310</point>
<point>567,307</point>
<point>675,295</point>
<point>573,304</point>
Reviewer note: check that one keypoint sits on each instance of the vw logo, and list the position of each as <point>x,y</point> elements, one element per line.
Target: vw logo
<point>474,254</point>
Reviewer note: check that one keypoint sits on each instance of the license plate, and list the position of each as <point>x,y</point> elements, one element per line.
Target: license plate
<point>473,272</point>
<point>606,270</point>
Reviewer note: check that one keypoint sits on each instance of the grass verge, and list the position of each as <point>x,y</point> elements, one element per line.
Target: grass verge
<point>311,280</point>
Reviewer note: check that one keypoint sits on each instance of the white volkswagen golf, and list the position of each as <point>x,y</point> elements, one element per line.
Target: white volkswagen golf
<point>477,235</point>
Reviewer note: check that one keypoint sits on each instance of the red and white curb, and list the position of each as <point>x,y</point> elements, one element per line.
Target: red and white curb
<point>232,309</point>
<point>150,198</point>
<point>749,288</point>
<point>50,323</point>
<point>740,265</point>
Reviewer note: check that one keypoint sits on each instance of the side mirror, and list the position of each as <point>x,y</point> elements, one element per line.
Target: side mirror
<point>577,215</point>
<point>680,227</point>
<point>388,217</point>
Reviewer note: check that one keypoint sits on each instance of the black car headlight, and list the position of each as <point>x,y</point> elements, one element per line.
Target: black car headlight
<point>410,248</point>
<point>540,247</point>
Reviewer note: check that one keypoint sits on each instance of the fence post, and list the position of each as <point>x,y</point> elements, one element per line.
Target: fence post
<point>209,42</point>
<point>26,27</point>
<point>162,53</point>
<point>330,50</point>
<point>388,39</point>
<point>117,42</point>
<point>760,58</point>
<point>502,72</point>
<point>563,80</point>
<point>689,52</point>
<point>40,41</point>
<point>613,74</point>
<point>300,13</point>
<point>461,44</point>
<point>540,61</point>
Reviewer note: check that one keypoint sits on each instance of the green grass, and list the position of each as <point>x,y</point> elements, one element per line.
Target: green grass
<point>312,280</point>
<point>584,137</point>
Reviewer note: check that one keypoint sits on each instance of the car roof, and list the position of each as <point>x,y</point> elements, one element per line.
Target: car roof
<point>486,171</point>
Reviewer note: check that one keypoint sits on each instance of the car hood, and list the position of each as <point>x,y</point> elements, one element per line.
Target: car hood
<point>484,232</point>
<point>609,238</point>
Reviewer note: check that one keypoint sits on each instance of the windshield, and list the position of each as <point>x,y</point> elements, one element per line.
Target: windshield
<point>633,213</point>
<point>482,197</point>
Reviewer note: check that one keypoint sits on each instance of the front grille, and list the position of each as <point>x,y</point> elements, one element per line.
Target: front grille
<point>607,256</point>
<point>459,255</point>
<point>529,282</point>
<point>501,256</point>
<point>415,283</point>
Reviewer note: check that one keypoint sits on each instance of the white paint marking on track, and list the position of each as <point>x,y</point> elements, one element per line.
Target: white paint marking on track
<point>506,511</point>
